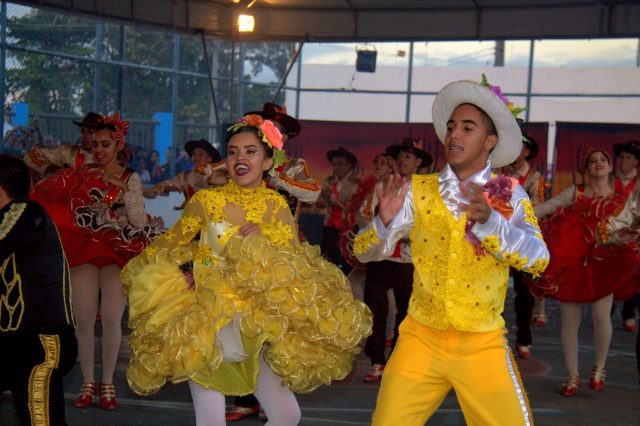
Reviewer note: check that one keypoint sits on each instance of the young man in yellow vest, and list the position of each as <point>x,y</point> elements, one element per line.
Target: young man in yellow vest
<point>467,227</point>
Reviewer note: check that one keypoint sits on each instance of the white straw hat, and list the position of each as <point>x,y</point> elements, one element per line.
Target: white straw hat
<point>470,92</point>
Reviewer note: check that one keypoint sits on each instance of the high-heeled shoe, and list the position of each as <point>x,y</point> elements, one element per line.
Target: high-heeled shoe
<point>571,386</point>
<point>597,378</point>
<point>108,396</point>
<point>85,397</point>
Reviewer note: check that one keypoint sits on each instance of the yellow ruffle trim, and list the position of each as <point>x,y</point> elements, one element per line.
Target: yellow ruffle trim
<point>291,298</point>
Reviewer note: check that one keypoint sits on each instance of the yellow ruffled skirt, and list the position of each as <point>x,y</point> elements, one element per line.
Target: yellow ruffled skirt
<point>292,302</point>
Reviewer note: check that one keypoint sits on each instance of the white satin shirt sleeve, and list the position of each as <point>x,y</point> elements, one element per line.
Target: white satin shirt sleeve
<point>517,240</point>
<point>377,242</point>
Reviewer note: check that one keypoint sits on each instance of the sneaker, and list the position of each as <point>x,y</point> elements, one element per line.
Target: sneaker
<point>375,375</point>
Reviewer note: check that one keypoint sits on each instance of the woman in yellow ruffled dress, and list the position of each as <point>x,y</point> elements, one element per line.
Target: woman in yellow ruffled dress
<point>246,307</point>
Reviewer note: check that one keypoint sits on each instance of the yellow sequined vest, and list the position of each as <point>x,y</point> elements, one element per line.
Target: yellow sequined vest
<point>453,287</point>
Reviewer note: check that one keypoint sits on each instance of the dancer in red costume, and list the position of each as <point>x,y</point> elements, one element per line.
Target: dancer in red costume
<point>99,212</point>
<point>581,272</point>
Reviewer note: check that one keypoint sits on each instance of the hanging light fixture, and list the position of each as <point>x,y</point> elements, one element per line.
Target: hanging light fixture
<point>246,23</point>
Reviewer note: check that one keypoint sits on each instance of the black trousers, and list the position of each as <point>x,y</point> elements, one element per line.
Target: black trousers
<point>245,401</point>
<point>380,277</point>
<point>523,304</point>
<point>629,307</point>
<point>638,350</point>
<point>32,365</point>
<point>330,250</point>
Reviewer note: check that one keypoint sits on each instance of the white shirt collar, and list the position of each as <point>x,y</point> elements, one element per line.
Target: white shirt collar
<point>449,185</point>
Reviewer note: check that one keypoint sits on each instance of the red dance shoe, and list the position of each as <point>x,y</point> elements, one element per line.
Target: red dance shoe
<point>375,375</point>
<point>630,325</point>
<point>108,396</point>
<point>239,413</point>
<point>597,378</point>
<point>571,386</point>
<point>85,397</point>
<point>524,352</point>
<point>539,320</point>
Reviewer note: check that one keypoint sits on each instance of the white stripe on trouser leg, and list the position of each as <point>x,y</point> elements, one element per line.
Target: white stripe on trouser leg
<point>516,384</point>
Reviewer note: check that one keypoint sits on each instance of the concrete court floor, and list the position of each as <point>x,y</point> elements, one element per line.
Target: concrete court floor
<point>351,401</point>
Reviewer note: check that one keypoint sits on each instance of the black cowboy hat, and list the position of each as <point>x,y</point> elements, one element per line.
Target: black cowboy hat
<point>631,147</point>
<point>275,112</point>
<point>91,119</point>
<point>342,152</point>
<point>190,146</point>
<point>532,146</point>
<point>413,146</point>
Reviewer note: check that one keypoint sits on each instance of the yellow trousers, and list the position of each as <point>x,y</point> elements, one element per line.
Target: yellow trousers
<point>427,363</point>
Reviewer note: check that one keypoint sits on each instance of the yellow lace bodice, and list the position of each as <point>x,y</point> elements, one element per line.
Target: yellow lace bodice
<point>218,213</point>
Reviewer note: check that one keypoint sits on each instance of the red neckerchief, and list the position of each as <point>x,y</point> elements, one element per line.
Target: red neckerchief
<point>625,190</point>
<point>80,158</point>
<point>189,191</point>
<point>335,219</point>
<point>523,179</point>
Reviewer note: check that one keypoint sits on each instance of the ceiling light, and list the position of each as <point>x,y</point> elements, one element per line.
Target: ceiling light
<point>245,23</point>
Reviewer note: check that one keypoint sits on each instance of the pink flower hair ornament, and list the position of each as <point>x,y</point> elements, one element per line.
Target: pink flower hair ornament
<point>121,128</point>
<point>268,133</point>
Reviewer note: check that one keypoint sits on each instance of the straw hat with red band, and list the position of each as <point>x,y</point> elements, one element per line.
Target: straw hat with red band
<point>490,99</point>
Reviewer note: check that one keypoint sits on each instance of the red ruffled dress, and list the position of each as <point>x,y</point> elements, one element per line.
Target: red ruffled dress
<point>91,219</point>
<point>580,271</point>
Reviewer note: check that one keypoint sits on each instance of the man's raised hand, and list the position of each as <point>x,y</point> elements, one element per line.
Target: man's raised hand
<point>391,197</point>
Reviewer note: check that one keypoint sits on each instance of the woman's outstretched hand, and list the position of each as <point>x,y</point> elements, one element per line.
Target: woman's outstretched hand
<point>391,197</point>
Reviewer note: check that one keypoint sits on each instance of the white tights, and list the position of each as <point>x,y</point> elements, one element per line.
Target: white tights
<point>87,282</point>
<point>278,401</point>
<point>602,331</point>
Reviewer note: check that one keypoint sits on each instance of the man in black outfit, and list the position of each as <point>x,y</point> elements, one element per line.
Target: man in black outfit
<point>36,320</point>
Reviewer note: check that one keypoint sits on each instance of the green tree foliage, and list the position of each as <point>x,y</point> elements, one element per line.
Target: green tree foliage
<point>53,83</point>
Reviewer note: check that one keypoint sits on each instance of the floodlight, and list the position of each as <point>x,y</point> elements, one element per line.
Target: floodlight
<point>246,23</point>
